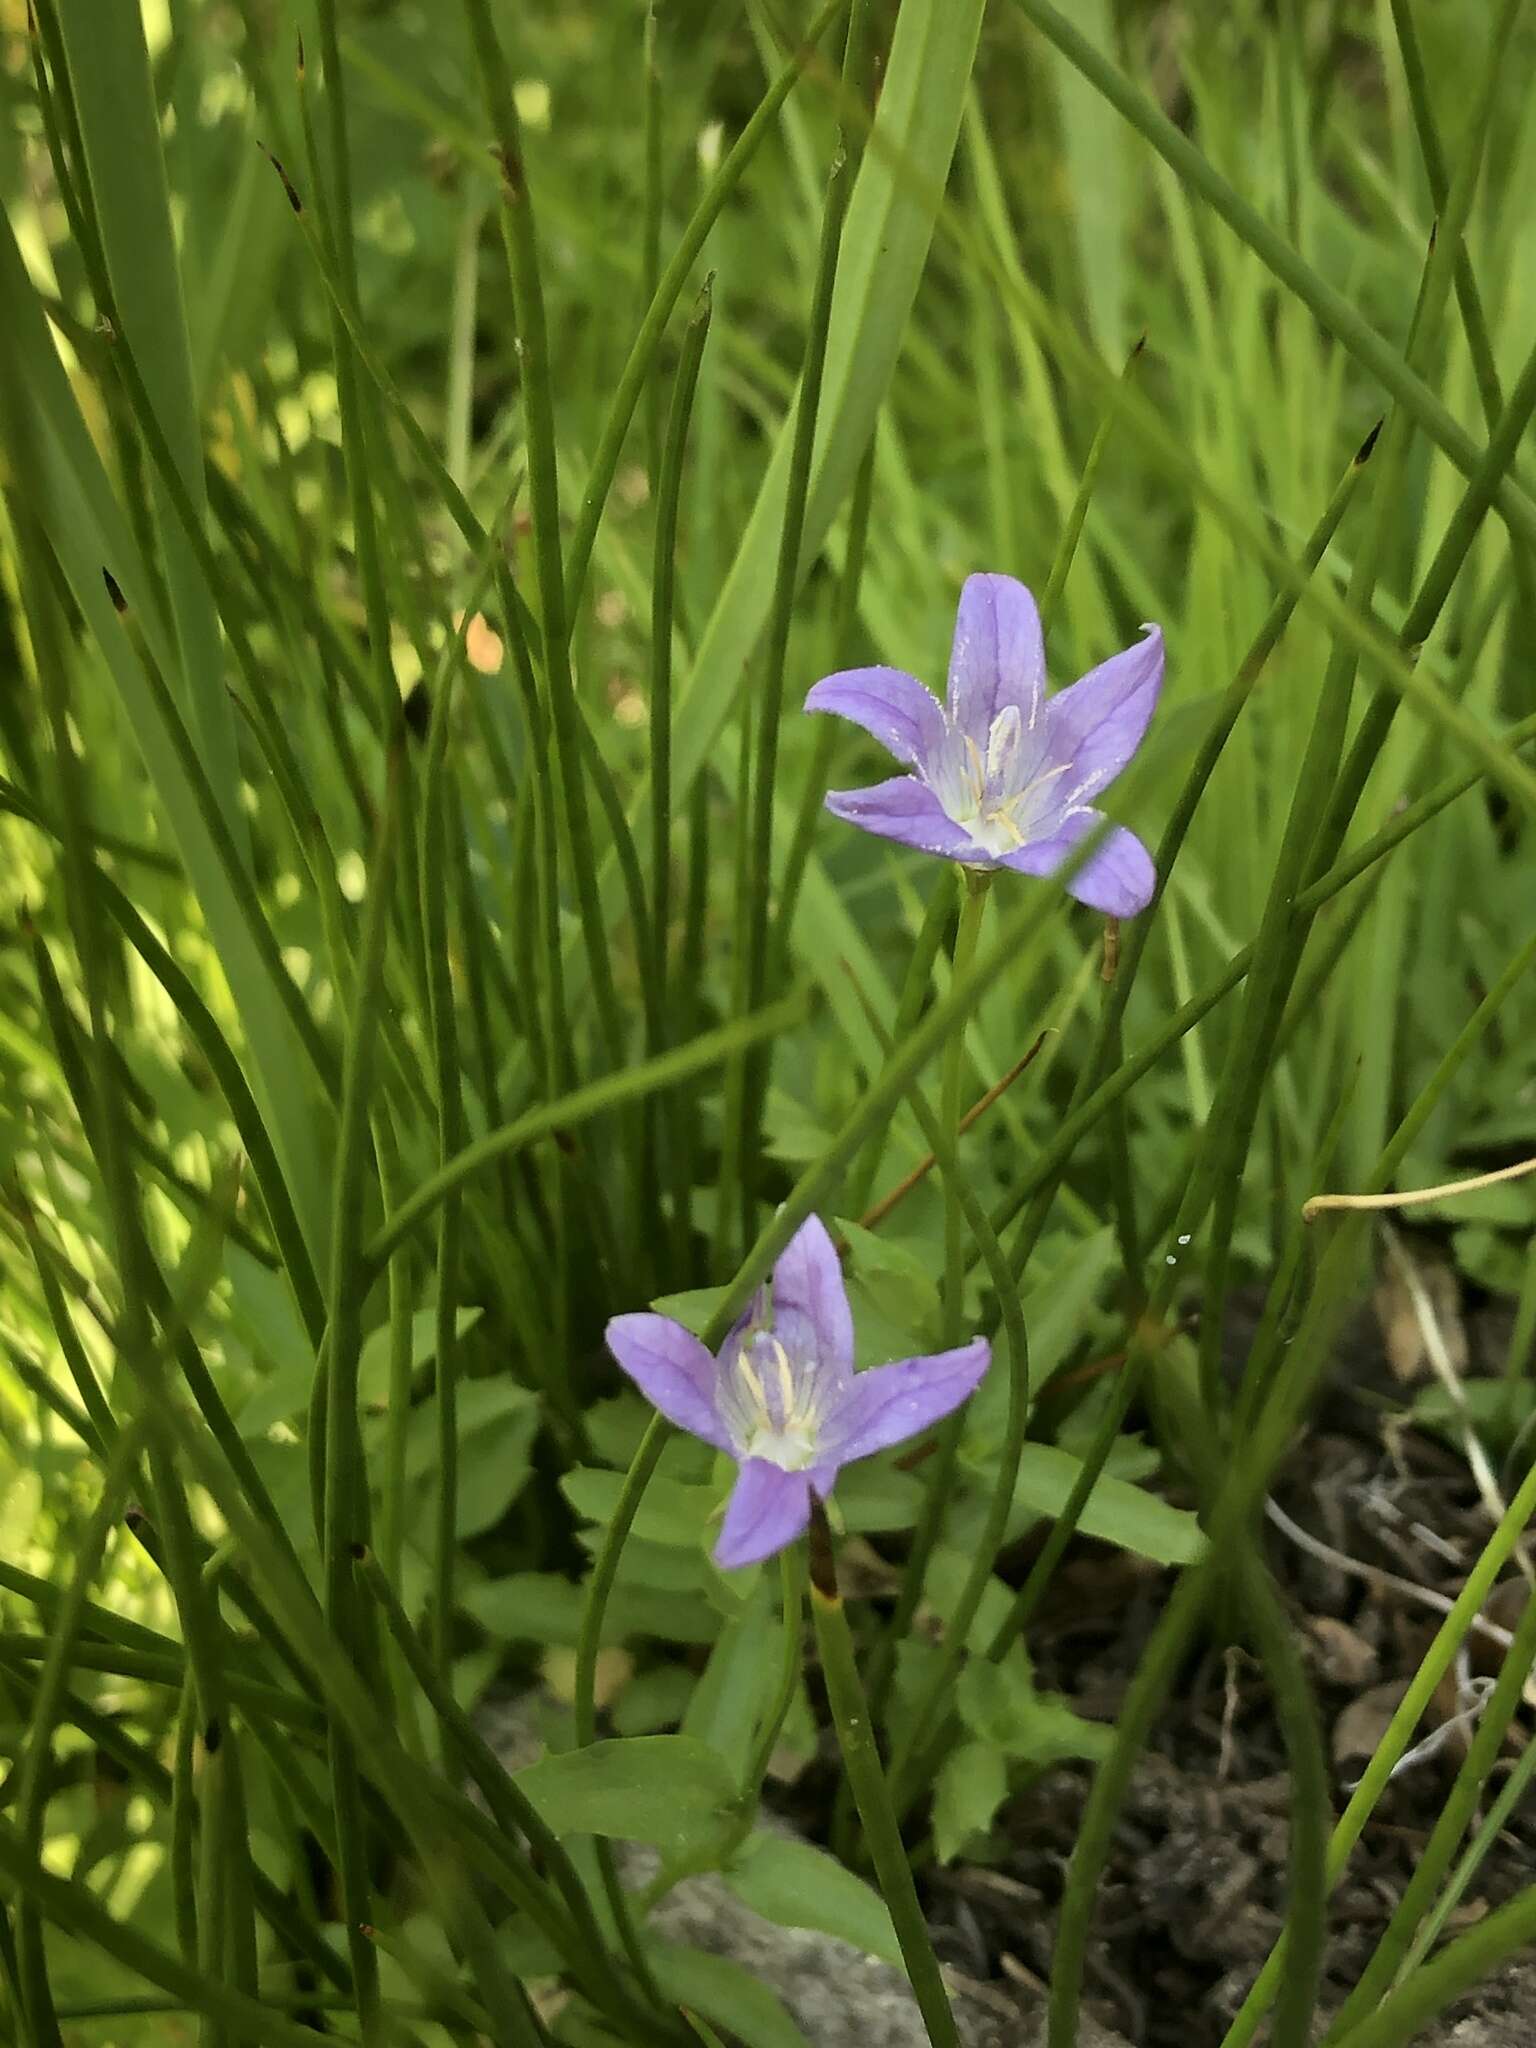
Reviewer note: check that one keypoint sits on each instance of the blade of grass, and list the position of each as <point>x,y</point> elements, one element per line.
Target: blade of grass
<point>1335,312</point>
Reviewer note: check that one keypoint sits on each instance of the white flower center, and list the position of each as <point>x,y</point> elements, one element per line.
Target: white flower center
<point>1004,798</point>
<point>773,1411</point>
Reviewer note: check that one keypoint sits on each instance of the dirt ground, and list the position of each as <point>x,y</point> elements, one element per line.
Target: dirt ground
<point>1195,1889</point>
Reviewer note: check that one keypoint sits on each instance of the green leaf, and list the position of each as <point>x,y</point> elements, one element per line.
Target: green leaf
<point>373,1364</point>
<point>670,1513</point>
<point>970,1788</point>
<point>497,1423</point>
<point>110,75</point>
<point>655,1700</point>
<point>64,474</point>
<point>999,1705</point>
<point>528,1607</point>
<point>663,1789</point>
<point>694,1309</point>
<point>1095,166</point>
<point>886,240</point>
<point>798,1885</point>
<point>722,1991</point>
<point>1114,1512</point>
<point>894,1295</point>
<point>739,1680</point>
<point>875,1495</point>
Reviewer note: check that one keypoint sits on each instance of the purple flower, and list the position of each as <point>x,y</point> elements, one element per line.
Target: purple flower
<point>783,1398</point>
<point>1004,776</point>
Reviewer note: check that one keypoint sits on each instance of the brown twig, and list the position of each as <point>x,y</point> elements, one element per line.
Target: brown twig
<point>875,1216</point>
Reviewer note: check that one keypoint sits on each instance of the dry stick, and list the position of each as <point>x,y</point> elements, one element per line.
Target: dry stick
<point>1375,1576</point>
<point>1315,1205</point>
<point>877,1214</point>
<point>1438,1353</point>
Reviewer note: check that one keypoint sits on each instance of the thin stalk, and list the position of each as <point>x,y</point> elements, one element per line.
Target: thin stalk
<point>1282,936</point>
<point>510,1808</point>
<point>733,1194</point>
<point>844,630</point>
<point>1245,1484</point>
<point>344,1520</point>
<point>786,583</point>
<point>688,1004</point>
<point>605,1568</point>
<point>792,1591</point>
<point>1329,305</point>
<point>34,1770</point>
<point>606,1093</point>
<point>641,359</point>
<point>905,1775</point>
<point>663,589</point>
<point>1511,1797</point>
<point>940,1478</point>
<point>925,950</point>
<point>861,1761</point>
<point>669,477</point>
<point>544,496</point>
<point>973,907</point>
<point>650,230</point>
<point>1394,1945</point>
<point>1406,2012</point>
<point>435,884</point>
<point>1072,529</point>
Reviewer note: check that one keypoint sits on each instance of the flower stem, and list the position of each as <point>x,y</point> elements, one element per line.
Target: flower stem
<point>861,1761</point>
<point>792,1583</point>
<point>973,905</point>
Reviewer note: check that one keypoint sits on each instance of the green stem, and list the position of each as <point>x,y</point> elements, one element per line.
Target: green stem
<point>861,1761</point>
<point>925,950</point>
<point>940,1484</point>
<point>1330,306</point>
<point>786,583</point>
<point>511,1809</point>
<point>544,495</point>
<point>642,355</point>
<point>1450,1825</point>
<point>951,1103</point>
<point>792,1595</point>
<point>1406,2012</point>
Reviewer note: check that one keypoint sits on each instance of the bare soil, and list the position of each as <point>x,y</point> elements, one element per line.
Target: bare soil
<point>1195,1891</point>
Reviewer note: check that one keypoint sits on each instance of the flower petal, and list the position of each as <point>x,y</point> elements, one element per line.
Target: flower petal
<point>893,1402</point>
<point>1099,722</point>
<point>1118,876</point>
<point>768,1508</point>
<point>811,1316</point>
<point>672,1369</point>
<point>907,810</point>
<point>899,711</point>
<point>998,657</point>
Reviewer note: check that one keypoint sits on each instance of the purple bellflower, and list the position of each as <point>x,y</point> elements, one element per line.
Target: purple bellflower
<point>1002,775</point>
<point>783,1398</point>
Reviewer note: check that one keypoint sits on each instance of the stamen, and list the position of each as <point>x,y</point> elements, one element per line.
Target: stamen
<point>786,1385</point>
<point>755,1386</point>
<point>978,771</point>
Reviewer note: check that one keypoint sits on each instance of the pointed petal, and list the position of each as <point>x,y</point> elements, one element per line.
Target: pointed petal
<point>1100,721</point>
<point>811,1316</point>
<point>998,657</point>
<point>893,1402</point>
<point>904,716</point>
<point>907,811</point>
<point>768,1509</point>
<point>672,1369</point>
<point>1118,876</point>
